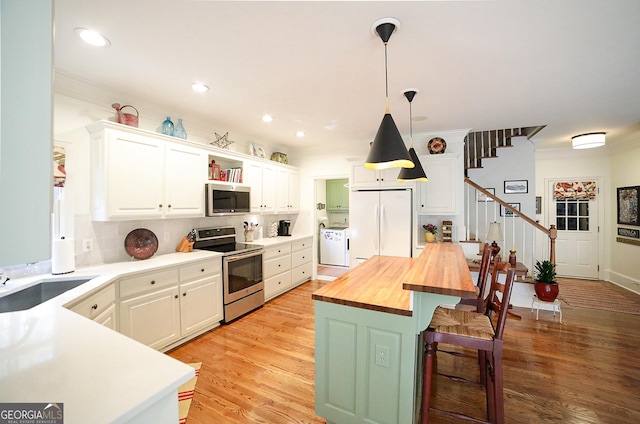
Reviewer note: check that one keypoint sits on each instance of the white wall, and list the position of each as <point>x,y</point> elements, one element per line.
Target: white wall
<point>624,266</point>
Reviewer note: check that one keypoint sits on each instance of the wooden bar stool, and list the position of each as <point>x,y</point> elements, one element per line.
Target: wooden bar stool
<point>476,331</point>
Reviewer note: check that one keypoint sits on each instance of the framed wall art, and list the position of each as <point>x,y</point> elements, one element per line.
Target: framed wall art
<point>481,197</point>
<point>628,205</point>
<point>506,212</point>
<point>516,186</point>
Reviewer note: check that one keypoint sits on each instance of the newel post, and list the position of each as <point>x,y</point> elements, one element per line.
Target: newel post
<point>553,233</point>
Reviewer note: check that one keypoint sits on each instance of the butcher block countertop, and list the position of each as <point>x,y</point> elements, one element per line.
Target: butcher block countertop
<point>385,283</point>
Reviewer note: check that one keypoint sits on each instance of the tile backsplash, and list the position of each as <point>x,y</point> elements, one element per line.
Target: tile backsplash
<point>108,237</point>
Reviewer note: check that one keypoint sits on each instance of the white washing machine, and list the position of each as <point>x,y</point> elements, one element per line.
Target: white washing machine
<point>334,246</point>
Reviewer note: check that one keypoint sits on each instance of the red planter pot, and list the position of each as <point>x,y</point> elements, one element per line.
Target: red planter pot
<point>546,292</point>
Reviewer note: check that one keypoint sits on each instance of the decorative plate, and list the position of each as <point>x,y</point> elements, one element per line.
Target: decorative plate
<point>141,243</point>
<point>437,145</point>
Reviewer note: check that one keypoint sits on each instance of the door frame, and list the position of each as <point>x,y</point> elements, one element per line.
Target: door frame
<point>548,190</point>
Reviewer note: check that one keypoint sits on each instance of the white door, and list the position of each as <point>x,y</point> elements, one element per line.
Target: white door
<point>395,223</point>
<point>578,227</point>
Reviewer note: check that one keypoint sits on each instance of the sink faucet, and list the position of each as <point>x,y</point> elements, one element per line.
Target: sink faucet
<point>3,277</point>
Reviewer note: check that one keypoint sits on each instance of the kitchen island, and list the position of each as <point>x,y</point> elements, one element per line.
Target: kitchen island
<point>367,328</point>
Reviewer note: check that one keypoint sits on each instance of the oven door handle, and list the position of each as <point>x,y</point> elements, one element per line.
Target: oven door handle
<point>244,256</point>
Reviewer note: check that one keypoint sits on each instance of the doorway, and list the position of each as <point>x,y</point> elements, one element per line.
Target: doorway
<point>331,211</point>
<point>578,223</point>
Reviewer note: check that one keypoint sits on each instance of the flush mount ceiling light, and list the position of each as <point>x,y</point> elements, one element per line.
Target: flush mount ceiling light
<point>267,118</point>
<point>416,173</point>
<point>199,87</point>
<point>300,134</point>
<point>92,37</point>
<point>388,149</point>
<point>588,141</point>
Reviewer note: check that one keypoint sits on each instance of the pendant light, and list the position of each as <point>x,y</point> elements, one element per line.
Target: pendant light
<point>388,149</point>
<point>416,173</point>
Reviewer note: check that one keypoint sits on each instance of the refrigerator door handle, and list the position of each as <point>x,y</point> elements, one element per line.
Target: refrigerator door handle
<point>376,228</point>
<point>380,226</point>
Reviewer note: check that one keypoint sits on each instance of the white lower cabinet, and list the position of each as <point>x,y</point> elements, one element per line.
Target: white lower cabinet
<point>287,265</point>
<point>200,296</point>
<point>100,307</point>
<point>163,307</point>
<point>276,270</point>
<point>301,260</point>
<point>153,318</point>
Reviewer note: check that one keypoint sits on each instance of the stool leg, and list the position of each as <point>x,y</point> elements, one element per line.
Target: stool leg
<point>427,374</point>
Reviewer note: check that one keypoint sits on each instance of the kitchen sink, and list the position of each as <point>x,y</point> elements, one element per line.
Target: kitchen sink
<point>37,294</point>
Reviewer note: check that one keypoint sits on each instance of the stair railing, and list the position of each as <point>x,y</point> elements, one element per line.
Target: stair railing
<point>550,232</point>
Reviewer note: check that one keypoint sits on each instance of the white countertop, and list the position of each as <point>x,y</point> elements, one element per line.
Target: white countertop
<point>50,354</point>
<point>272,241</point>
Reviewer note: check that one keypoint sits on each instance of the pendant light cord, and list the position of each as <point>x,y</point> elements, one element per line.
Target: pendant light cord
<point>386,78</point>
<point>410,126</point>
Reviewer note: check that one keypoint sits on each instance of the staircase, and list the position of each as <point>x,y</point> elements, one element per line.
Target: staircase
<point>481,145</point>
<point>482,207</point>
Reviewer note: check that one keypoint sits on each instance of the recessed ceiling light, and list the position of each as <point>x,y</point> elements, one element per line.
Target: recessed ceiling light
<point>199,87</point>
<point>300,134</point>
<point>267,118</point>
<point>92,37</point>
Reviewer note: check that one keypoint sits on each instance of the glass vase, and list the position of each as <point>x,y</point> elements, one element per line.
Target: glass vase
<point>167,126</point>
<point>179,130</point>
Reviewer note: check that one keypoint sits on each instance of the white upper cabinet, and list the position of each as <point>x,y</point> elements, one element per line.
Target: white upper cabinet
<point>438,195</point>
<point>262,179</point>
<point>288,190</point>
<point>362,177</point>
<point>185,173</point>
<point>138,176</point>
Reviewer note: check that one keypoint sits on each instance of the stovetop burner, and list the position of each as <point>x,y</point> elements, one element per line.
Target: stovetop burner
<point>223,240</point>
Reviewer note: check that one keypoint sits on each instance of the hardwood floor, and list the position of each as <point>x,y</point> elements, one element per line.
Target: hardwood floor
<point>259,369</point>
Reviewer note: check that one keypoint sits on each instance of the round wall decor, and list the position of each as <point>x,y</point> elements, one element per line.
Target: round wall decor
<point>437,145</point>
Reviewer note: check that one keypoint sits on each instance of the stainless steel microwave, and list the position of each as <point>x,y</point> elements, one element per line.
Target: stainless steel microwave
<point>227,199</point>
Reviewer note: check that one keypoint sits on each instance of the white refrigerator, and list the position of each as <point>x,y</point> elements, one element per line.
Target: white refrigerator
<point>380,223</point>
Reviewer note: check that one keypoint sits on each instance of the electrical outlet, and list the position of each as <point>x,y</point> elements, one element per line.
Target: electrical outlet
<point>87,245</point>
<point>382,355</point>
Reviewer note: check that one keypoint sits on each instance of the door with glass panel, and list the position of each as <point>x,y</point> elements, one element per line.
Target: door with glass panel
<point>576,219</point>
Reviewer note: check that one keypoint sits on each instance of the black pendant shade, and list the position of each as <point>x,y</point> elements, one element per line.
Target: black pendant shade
<point>415,173</point>
<point>412,174</point>
<point>388,149</point>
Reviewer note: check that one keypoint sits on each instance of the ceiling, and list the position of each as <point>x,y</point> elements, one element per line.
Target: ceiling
<point>571,65</point>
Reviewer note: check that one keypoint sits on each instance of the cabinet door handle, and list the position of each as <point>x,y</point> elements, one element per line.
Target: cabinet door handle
<point>184,294</point>
<point>95,306</point>
<point>168,206</point>
<point>175,297</point>
<point>202,270</point>
<point>160,205</point>
<point>153,282</point>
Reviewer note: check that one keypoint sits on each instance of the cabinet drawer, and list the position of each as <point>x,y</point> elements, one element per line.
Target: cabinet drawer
<point>95,304</point>
<point>201,270</point>
<point>277,284</point>
<point>301,244</point>
<point>300,257</point>
<point>147,282</point>
<point>301,273</point>
<point>279,250</point>
<point>277,265</point>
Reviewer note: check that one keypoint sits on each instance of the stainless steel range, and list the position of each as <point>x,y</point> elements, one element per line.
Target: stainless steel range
<point>243,287</point>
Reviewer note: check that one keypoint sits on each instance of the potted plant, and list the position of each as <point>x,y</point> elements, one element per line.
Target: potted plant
<point>430,232</point>
<point>544,283</point>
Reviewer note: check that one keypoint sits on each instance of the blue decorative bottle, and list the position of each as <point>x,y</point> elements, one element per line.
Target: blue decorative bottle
<point>167,126</point>
<point>179,130</point>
